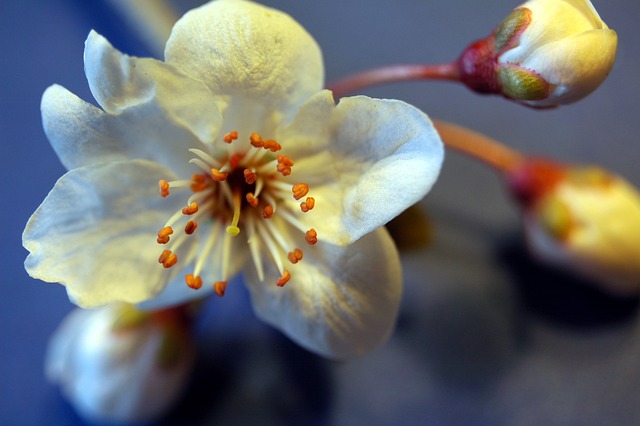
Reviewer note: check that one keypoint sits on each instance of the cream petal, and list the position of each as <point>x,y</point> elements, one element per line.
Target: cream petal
<point>340,302</point>
<point>242,49</point>
<point>365,161</point>
<point>95,233</point>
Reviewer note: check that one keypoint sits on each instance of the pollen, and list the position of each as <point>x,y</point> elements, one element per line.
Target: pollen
<point>218,176</point>
<point>284,278</point>
<point>307,205</point>
<point>230,137</point>
<point>249,176</point>
<point>220,287</point>
<point>311,236</point>
<point>295,256</point>
<point>190,227</point>
<point>299,190</point>
<point>164,188</point>
<point>190,209</point>
<point>163,235</point>
<point>168,258</point>
<point>271,145</point>
<point>267,212</point>
<point>256,140</point>
<point>284,165</point>
<point>193,281</point>
<point>251,199</point>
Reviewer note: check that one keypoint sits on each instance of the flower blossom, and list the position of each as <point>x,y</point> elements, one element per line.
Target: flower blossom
<point>117,364</point>
<point>583,219</point>
<point>228,157</point>
<point>545,53</point>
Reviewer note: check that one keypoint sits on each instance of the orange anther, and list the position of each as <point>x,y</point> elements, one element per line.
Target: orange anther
<point>163,235</point>
<point>284,169</point>
<point>198,183</point>
<point>230,137</point>
<point>190,209</point>
<point>249,176</point>
<point>251,199</point>
<point>256,140</point>
<point>307,205</point>
<point>311,236</point>
<point>220,287</point>
<point>218,176</point>
<point>299,190</point>
<point>190,227</point>
<point>164,188</point>
<point>267,212</point>
<point>193,281</point>
<point>295,256</point>
<point>272,145</point>
<point>168,259</point>
<point>284,278</point>
<point>283,159</point>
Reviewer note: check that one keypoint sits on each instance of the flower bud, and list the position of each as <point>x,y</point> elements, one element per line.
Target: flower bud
<point>119,364</point>
<point>545,53</point>
<point>583,219</point>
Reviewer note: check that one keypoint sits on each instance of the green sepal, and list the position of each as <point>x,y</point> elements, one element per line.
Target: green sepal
<point>518,83</point>
<point>510,27</point>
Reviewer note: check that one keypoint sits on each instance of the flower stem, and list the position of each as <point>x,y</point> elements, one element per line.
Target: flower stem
<point>392,74</point>
<point>481,147</point>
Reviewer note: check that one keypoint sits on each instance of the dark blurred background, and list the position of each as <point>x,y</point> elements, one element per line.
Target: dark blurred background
<point>486,335</point>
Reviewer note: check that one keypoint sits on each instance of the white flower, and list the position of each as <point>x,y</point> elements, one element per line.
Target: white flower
<point>282,184</point>
<point>588,221</point>
<point>117,364</point>
<point>545,53</point>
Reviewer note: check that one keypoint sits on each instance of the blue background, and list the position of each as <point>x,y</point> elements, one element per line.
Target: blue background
<point>486,336</point>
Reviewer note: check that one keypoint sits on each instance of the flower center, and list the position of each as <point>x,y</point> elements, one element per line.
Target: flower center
<point>240,185</point>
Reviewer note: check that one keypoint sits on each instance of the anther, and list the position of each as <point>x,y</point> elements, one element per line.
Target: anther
<point>190,209</point>
<point>190,227</point>
<point>256,140</point>
<point>220,287</point>
<point>284,278</point>
<point>267,212</point>
<point>295,256</point>
<point>164,188</point>
<point>198,183</point>
<point>307,205</point>
<point>311,236</point>
<point>168,259</point>
<point>218,176</point>
<point>230,137</point>
<point>251,199</point>
<point>299,190</point>
<point>193,281</point>
<point>163,235</point>
<point>250,177</point>
<point>272,145</point>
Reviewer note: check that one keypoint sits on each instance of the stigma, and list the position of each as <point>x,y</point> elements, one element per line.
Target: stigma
<point>240,190</point>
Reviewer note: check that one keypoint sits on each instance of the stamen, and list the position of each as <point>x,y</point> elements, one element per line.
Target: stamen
<point>205,157</point>
<point>267,212</point>
<point>311,236</point>
<point>201,164</point>
<point>271,145</point>
<point>190,209</point>
<point>190,227</point>
<point>307,205</point>
<point>284,165</point>
<point>208,246</point>
<point>284,278</point>
<point>193,281</point>
<point>249,176</point>
<point>295,256</point>
<point>218,176</point>
<point>168,259</point>
<point>256,140</point>
<point>299,190</point>
<point>220,287</point>
<point>230,137</point>
<point>271,246</point>
<point>254,247</point>
<point>233,229</point>
<point>163,235</point>
<point>198,182</point>
<point>164,188</point>
<point>251,199</point>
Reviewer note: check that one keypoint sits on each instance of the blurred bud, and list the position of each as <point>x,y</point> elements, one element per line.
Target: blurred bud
<point>544,54</point>
<point>583,219</point>
<point>116,363</point>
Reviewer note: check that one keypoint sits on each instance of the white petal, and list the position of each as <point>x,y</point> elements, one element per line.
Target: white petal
<point>340,302</point>
<point>365,161</point>
<point>242,49</point>
<point>95,233</point>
